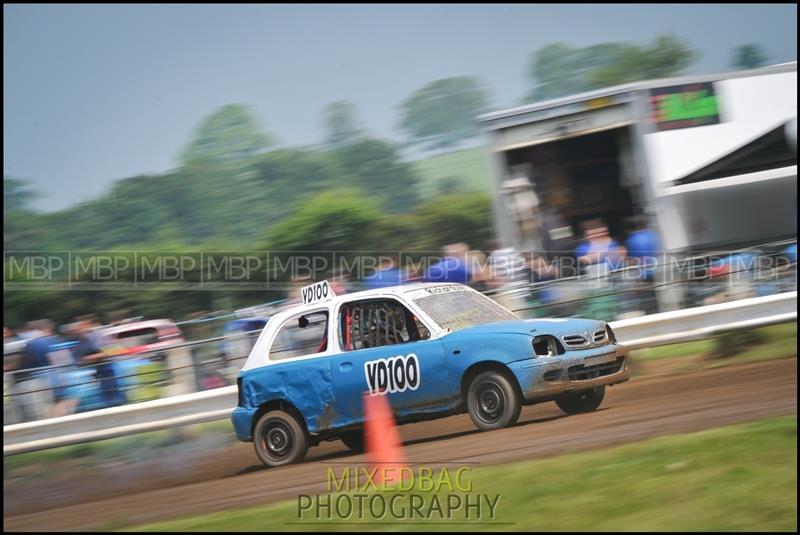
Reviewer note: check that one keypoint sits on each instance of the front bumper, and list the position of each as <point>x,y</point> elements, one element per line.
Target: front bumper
<point>543,378</point>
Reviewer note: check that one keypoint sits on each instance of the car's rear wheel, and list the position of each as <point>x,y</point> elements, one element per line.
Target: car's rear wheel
<point>354,440</point>
<point>583,401</point>
<point>279,439</point>
<point>492,401</point>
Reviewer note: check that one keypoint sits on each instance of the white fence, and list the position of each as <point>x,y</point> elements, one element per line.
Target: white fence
<point>646,331</point>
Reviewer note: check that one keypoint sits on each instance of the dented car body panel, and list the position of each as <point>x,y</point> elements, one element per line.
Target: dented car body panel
<point>424,378</point>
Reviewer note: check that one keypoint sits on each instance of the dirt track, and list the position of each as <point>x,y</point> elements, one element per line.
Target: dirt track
<point>231,477</point>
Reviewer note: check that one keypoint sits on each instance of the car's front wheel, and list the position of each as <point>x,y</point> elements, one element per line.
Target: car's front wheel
<point>583,401</point>
<point>279,439</point>
<point>492,401</point>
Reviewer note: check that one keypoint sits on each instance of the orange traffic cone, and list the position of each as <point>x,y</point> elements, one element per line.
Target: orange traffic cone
<point>384,448</point>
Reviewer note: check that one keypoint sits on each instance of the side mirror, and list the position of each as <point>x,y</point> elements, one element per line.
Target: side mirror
<point>302,322</point>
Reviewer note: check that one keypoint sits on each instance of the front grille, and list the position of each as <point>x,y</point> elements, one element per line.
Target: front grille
<point>575,340</point>
<point>581,372</point>
<point>599,336</point>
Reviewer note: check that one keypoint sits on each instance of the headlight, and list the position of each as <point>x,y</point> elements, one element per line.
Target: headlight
<point>547,346</point>
<point>610,333</point>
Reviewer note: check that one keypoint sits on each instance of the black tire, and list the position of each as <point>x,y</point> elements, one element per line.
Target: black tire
<point>583,401</point>
<point>279,439</point>
<point>354,440</point>
<point>492,401</point>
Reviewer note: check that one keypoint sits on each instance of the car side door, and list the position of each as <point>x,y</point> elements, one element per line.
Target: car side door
<point>384,352</point>
<point>297,370</point>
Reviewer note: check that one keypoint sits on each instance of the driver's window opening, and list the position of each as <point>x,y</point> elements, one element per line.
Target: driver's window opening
<point>301,335</point>
<point>378,323</point>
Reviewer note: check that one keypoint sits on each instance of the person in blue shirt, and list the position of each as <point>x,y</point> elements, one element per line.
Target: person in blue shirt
<point>35,355</point>
<point>791,252</point>
<point>88,351</point>
<point>790,261</point>
<point>387,274</point>
<point>45,363</point>
<point>453,267</point>
<point>643,248</point>
<point>644,245</point>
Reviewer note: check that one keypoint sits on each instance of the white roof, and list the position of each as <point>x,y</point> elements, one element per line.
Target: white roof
<point>364,294</point>
<point>258,355</point>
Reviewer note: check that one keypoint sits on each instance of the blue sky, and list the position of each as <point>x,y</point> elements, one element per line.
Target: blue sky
<point>96,93</point>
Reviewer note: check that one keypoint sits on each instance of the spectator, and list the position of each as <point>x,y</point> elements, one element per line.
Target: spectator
<point>643,245</point>
<point>30,331</point>
<point>599,253</point>
<point>12,353</point>
<point>643,248</point>
<point>542,271</point>
<point>88,351</point>
<point>93,325</point>
<point>788,264</point>
<point>44,373</point>
<point>387,274</point>
<point>480,274</point>
<point>791,253</point>
<point>340,283</point>
<point>12,347</point>
<point>452,268</point>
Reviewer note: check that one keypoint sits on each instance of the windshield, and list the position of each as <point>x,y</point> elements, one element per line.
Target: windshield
<point>458,307</point>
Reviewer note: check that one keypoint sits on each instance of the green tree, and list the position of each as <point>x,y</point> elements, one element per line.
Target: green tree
<point>558,69</point>
<point>666,57</point>
<point>230,133</point>
<point>18,193</point>
<point>22,227</point>
<point>376,168</point>
<point>337,220</point>
<point>442,114</point>
<point>341,126</point>
<point>456,218</point>
<point>749,56</point>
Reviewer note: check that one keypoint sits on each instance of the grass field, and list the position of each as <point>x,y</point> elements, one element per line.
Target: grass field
<point>776,341</point>
<point>469,167</point>
<point>742,477</point>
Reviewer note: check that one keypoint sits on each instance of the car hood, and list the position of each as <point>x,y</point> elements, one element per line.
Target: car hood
<point>535,327</point>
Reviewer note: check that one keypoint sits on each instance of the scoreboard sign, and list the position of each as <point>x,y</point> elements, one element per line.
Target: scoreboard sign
<point>684,106</point>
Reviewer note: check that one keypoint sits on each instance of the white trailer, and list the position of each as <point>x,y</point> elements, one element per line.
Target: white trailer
<point>711,160</point>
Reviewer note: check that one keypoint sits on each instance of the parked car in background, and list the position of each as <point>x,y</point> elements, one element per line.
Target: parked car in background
<point>138,351</point>
<point>140,337</point>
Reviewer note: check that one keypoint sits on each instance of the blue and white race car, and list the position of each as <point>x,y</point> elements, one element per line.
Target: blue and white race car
<point>433,349</point>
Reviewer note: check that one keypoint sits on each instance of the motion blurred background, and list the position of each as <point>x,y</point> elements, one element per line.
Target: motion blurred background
<point>136,134</point>
<point>251,128</point>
